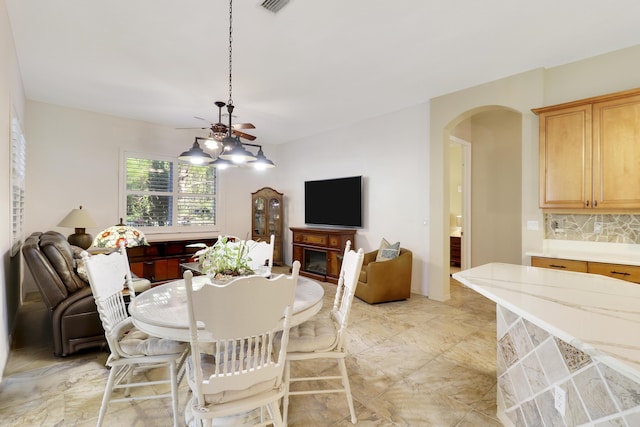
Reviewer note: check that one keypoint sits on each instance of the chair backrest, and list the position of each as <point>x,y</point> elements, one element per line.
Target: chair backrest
<point>347,282</point>
<point>241,319</point>
<point>108,275</point>
<point>261,253</point>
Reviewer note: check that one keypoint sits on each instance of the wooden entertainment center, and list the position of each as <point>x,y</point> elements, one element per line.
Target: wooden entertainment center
<point>320,251</point>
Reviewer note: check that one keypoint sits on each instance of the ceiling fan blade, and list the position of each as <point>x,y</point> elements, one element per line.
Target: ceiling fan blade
<point>200,118</point>
<point>244,126</point>
<point>244,135</point>
<point>192,128</point>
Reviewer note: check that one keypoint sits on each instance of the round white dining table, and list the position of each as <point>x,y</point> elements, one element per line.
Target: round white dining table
<point>162,310</point>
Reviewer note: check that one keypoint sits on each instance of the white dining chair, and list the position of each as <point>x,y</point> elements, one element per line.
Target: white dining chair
<point>236,371</point>
<point>261,253</point>
<point>132,351</point>
<point>323,337</point>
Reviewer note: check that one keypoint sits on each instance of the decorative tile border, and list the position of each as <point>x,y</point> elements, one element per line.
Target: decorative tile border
<point>613,228</point>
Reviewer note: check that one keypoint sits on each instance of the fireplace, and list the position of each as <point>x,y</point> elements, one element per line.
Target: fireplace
<point>315,261</point>
<point>320,250</point>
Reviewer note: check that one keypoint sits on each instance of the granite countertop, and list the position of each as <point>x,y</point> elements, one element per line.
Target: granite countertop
<point>596,314</point>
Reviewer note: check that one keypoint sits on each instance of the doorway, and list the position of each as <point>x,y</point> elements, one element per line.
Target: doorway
<point>491,213</point>
<point>459,204</point>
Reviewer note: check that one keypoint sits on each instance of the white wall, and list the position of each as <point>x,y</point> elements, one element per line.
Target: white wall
<point>11,97</point>
<point>390,152</point>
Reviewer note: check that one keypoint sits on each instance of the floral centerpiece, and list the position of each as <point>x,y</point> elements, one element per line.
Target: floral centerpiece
<point>225,259</point>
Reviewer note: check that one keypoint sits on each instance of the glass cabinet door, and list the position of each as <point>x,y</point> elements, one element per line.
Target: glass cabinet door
<point>260,216</point>
<point>274,217</point>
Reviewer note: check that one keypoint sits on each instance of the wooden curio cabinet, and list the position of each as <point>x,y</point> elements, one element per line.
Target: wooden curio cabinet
<point>266,219</point>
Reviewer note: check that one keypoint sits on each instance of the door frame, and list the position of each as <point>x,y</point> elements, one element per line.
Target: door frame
<point>465,240</point>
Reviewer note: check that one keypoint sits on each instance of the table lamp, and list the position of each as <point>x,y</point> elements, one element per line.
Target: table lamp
<point>112,236</point>
<point>80,219</point>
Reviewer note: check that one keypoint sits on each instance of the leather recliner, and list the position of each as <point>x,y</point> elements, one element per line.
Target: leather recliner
<point>385,281</point>
<point>74,317</point>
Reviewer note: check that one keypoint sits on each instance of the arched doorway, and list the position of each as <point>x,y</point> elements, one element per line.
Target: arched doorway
<point>495,134</point>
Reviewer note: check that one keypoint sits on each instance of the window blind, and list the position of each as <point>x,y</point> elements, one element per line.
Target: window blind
<point>18,172</point>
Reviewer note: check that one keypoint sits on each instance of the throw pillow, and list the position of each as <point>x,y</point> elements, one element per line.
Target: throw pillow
<point>387,251</point>
<point>81,270</point>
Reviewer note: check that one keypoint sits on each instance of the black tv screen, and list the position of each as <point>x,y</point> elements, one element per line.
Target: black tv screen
<point>335,201</point>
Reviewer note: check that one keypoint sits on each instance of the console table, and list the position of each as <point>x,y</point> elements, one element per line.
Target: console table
<point>320,251</point>
<point>160,261</point>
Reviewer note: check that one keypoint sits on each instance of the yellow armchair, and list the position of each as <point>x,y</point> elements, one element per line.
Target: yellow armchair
<point>384,281</point>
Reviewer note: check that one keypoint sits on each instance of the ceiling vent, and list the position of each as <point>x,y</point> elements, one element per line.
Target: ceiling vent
<point>274,5</point>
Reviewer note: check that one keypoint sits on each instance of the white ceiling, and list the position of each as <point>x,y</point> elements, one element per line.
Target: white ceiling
<point>313,66</point>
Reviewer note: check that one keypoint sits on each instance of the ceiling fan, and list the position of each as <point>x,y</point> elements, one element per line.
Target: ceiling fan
<point>220,130</point>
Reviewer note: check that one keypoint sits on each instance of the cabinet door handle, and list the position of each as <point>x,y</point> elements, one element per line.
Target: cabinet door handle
<point>595,203</point>
<point>622,273</point>
<point>557,266</point>
<point>587,203</point>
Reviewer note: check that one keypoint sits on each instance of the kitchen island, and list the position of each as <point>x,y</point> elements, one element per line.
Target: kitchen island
<point>568,345</point>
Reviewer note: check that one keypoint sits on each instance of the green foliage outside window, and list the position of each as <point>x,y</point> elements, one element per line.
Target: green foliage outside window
<point>154,200</point>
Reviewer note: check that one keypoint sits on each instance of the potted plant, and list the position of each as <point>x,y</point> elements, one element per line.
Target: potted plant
<point>224,260</point>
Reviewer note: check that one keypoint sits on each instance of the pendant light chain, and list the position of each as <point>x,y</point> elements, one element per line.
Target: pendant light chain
<point>230,102</point>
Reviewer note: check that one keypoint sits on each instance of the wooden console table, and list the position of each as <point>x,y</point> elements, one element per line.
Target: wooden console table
<point>320,251</point>
<point>160,261</point>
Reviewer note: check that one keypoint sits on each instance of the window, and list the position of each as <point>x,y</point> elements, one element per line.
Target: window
<point>18,165</point>
<point>167,193</point>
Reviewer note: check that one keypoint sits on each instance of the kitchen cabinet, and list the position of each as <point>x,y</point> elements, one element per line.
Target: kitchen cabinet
<point>559,264</point>
<point>267,219</point>
<point>589,153</point>
<point>454,248</point>
<point>630,273</point>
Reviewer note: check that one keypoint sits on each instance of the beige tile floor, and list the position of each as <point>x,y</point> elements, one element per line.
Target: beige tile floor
<point>413,363</point>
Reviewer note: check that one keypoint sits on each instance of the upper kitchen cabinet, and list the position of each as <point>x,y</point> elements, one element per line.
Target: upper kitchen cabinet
<point>266,217</point>
<point>590,152</point>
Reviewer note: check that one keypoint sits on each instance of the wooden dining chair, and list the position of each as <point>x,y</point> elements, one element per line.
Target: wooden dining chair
<point>233,369</point>
<point>132,351</point>
<point>323,337</point>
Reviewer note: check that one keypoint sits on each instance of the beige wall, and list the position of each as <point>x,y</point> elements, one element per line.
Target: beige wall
<point>496,187</point>
<point>518,93</point>
<point>606,73</point>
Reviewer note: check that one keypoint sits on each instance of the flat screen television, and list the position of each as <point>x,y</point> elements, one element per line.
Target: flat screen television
<point>336,202</point>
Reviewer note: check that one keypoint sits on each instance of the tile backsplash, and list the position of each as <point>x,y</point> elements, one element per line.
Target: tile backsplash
<point>612,228</point>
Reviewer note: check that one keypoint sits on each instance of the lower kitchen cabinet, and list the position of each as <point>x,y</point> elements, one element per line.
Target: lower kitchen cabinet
<point>630,273</point>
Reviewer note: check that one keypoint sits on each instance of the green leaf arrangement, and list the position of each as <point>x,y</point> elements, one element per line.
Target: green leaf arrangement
<point>225,259</point>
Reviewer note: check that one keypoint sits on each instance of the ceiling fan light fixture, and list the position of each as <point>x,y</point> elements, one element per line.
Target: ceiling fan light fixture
<point>195,155</point>
<point>238,154</point>
<point>211,142</point>
<point>221,164</point>
<point>261,162</point>
<point>232,152</point>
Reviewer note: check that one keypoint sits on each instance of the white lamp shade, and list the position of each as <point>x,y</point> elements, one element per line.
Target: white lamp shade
<point>78,218</point>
